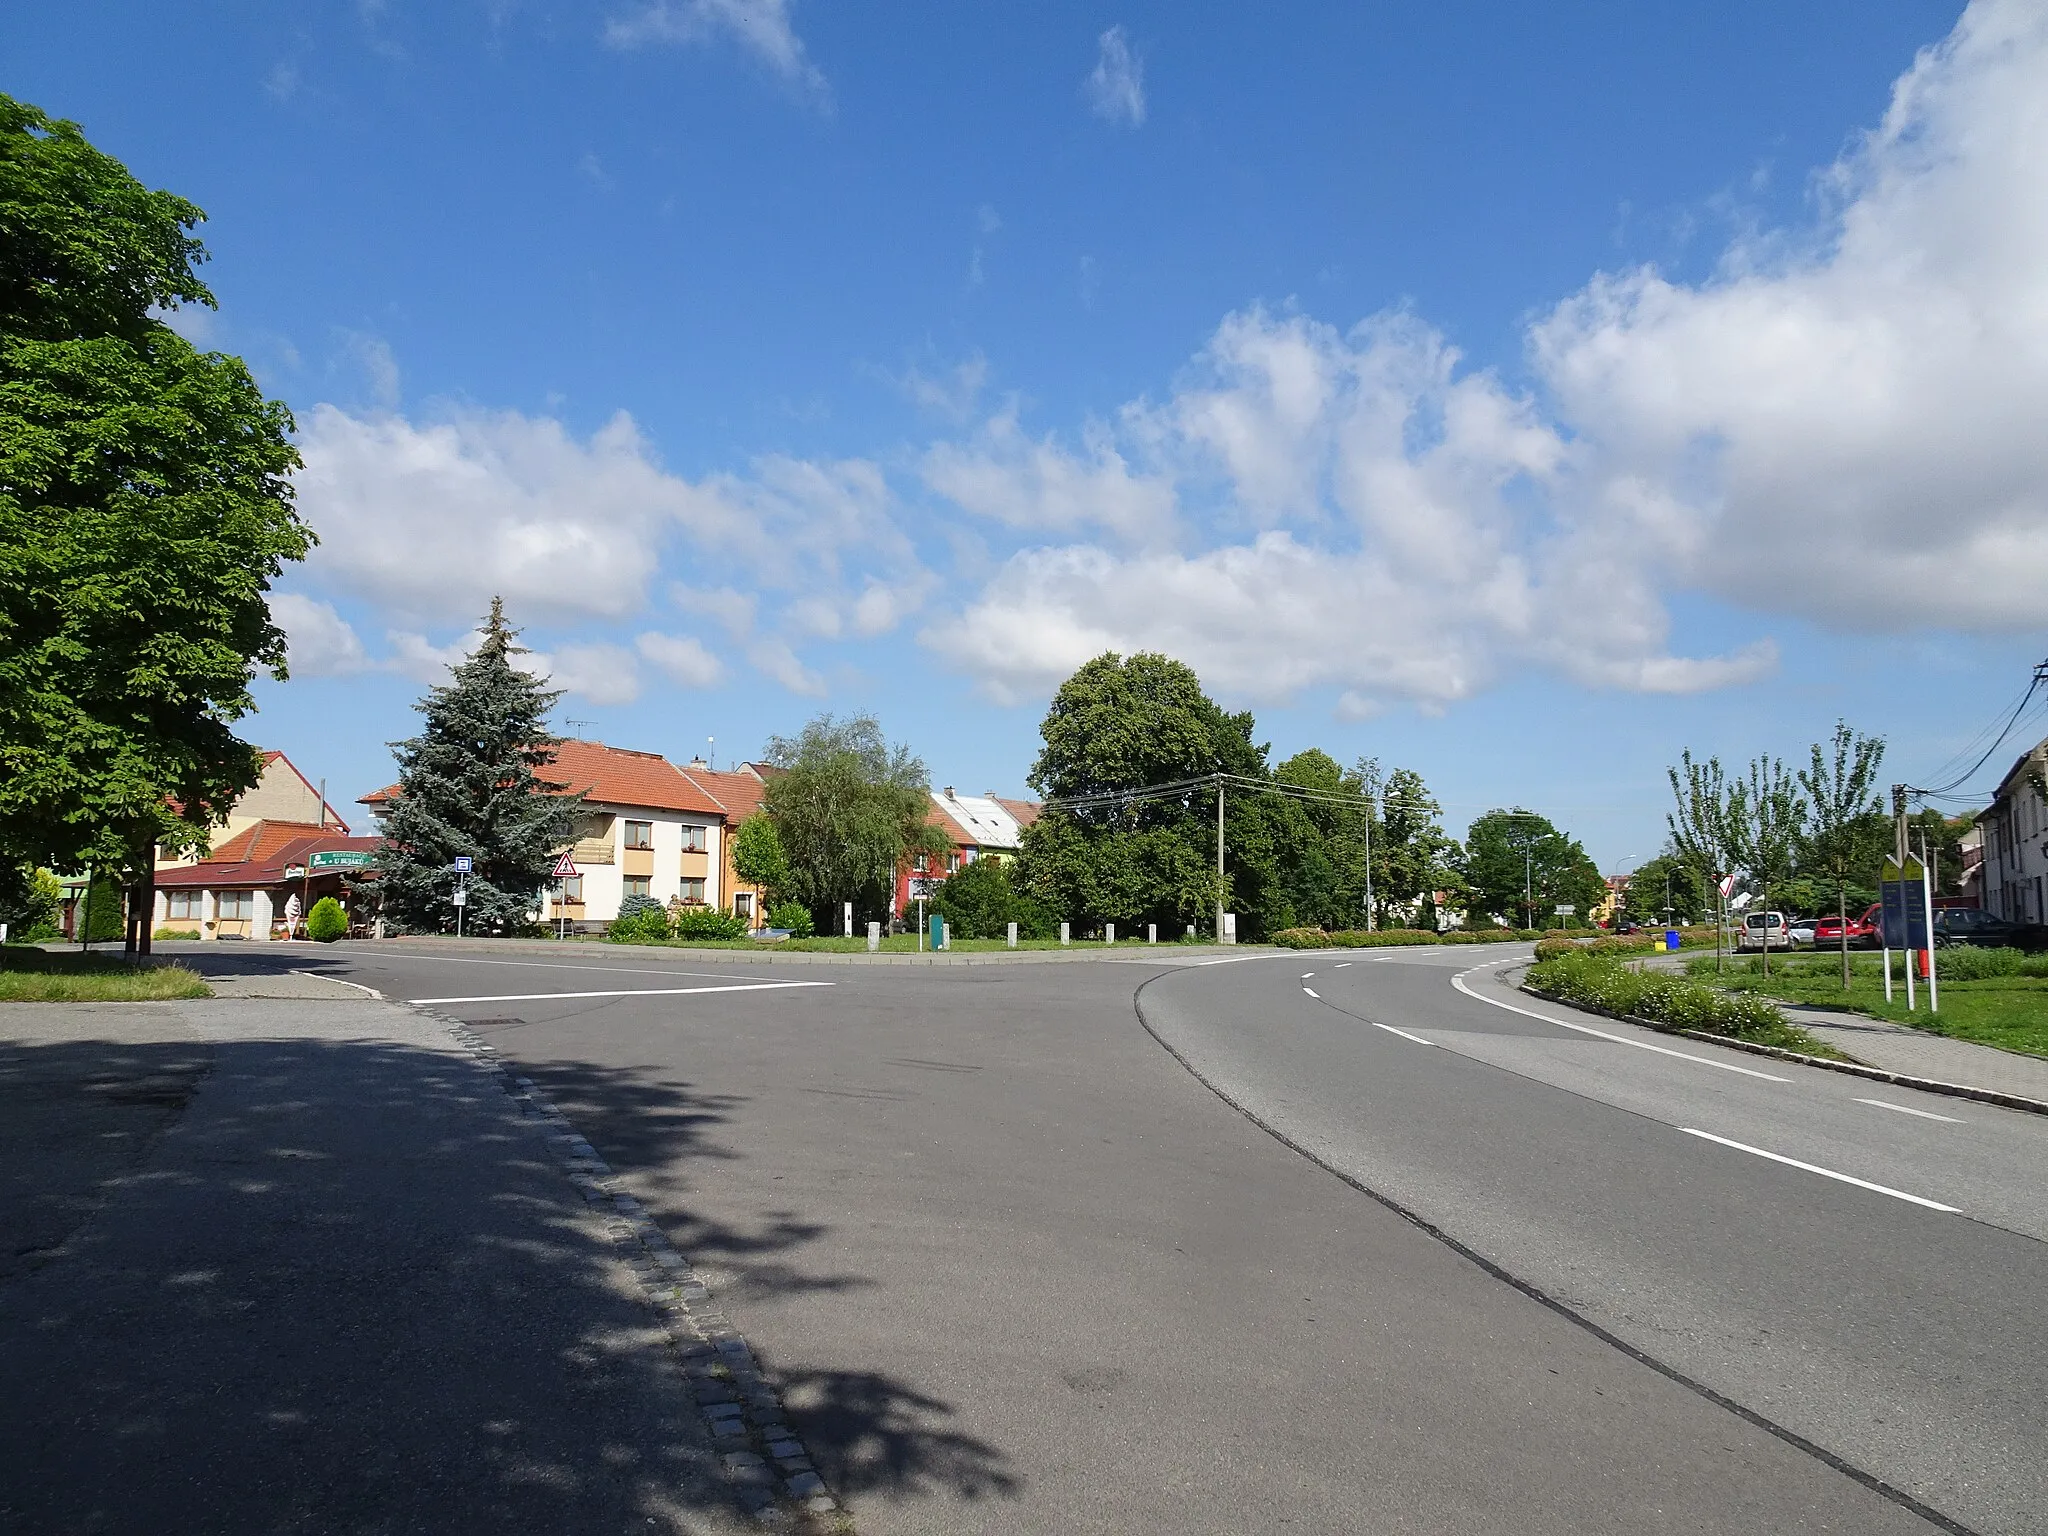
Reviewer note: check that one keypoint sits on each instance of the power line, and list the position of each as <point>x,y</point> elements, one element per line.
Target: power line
<point>1943,790</point>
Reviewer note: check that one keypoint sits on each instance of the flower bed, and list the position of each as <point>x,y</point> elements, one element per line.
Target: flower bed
<point>1665,1001</point>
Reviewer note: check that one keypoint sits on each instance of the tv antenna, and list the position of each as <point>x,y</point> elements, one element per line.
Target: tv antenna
<point>572,723</point>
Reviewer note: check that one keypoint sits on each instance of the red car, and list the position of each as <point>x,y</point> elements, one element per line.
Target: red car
<point>1827,932</point>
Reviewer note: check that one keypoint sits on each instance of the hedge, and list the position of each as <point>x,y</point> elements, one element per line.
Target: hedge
<point>1361,938</point>
<point>1660,998</point>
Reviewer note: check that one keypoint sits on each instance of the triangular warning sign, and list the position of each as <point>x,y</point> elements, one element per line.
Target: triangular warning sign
<point>565,867</point>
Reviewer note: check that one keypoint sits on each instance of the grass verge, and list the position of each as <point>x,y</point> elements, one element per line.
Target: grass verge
<point>2007,1008</point>
<point>30,975</point>
<point>1665,1001</point>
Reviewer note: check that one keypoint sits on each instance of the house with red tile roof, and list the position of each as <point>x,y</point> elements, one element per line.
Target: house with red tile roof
<point>978,827</point>
<point>247,887</point>
<point>282,794</point>
<point>646,828</point>
<point>739,793</point>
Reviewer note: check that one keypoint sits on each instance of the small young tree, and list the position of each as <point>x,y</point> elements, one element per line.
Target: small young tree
<point>757,856</point>
<point>471,783</point>
<point>1771,831</point>
<point>1707,826</point>
<point>1841,789</point>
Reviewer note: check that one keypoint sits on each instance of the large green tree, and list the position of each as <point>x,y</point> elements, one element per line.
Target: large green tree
<point>1519,869</point>
<point>848,809</point>
<point>472,784</point>
<point>145,507</point>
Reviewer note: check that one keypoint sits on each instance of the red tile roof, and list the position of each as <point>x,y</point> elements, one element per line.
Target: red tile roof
<point>613,776</point>
<point>260,855</point>
<point>739,793</point>
<point>1026,811</point>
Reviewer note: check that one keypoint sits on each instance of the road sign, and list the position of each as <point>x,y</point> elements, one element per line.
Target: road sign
<point>565,867</point>
<point>462,898</point>
<point>1903,911</point>
<point>1563,909</point>
<point>462,864</point>
<point>342,858</point>
<point>295,871</point>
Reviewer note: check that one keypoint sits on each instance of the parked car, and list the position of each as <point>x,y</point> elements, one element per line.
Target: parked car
<point>1761,928</point>
<point>1802,930</point>
<point>1973,925</point>
<point>1827,933</point>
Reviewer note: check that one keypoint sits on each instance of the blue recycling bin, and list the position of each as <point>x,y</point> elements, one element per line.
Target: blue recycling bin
<point>1670,938</point>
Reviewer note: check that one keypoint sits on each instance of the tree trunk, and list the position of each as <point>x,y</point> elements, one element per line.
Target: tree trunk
<point>146,886</point>
<point>1842,912</point>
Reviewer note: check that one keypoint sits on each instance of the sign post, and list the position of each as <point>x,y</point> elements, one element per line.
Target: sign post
<point>1906,912</point>
<point>565,870</point>
<point>462,868</point>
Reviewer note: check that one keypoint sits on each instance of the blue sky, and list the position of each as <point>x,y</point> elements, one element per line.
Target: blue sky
<point>1520,394</point>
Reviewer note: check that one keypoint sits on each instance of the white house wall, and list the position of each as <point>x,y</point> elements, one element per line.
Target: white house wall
<point>604,885</point>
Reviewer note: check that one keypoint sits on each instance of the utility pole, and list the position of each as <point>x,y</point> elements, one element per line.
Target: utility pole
<point>1368,863</point>
<point>1219,858</point>
<point>1528,893</point>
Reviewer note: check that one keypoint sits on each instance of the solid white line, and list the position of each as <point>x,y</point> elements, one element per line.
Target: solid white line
<point>544,965</point>
<point>1311,991</point>
<point>346,983</point>
<point>1401,1032</point>
<point>542,997</point>
<point>1458,981</point>
<point>1826,1173</point>
<point>1924,1114</point>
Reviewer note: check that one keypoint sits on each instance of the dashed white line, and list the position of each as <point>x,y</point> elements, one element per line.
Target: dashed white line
<point>1458,981</point>
<point>1342,964</point>
<point>1311,991</point>
<point>1305,975</point>
<point>1924,1114</point>
<point>1826,1173</point>
<point>542,997</point>
<point>1401,1032</point>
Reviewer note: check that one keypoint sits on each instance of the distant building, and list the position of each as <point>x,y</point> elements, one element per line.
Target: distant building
<point>978,827</point>
<point>244,888</point>
<point>281,794</point>
<point>2012,864</point>
<point>738,794</point>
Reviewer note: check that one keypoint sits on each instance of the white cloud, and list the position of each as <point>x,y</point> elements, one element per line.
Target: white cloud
<point>1848,426</point>
<point>1841,424</point>
<point>598,671</point>
<point>321,643</point>
<point>682,659</point>
<point>417,657</point>
<point>761,26</point>
<point>1116,86</point>
<point>379,366</point>
<point>431,521</point>
<point>949,392</point>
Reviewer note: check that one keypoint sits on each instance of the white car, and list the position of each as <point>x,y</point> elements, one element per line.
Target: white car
<point>1757,926</point>
<point>1801,930</point>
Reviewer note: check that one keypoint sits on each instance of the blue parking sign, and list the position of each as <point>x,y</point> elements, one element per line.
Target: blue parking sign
<point>462,864</point>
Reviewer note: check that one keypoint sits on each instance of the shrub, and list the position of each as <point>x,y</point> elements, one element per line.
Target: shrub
<point>175,933</point>
<point>1602,982</point>
<point>327,921</point>
<point>794,916</point>
<point>641,920</point>
<point>709,923</point>
<point>107,909</point>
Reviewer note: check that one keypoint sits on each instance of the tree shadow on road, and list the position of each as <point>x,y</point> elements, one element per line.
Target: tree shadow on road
<point>333,1284</point>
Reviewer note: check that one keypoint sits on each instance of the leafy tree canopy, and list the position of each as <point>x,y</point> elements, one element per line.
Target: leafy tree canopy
<point>758,857</point>
<point>471,783</point>
<point>1513,856</point>
<point>145,507</point>
<point>848,809</point>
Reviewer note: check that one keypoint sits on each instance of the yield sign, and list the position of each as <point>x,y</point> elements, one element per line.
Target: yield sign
<point>565,867</point>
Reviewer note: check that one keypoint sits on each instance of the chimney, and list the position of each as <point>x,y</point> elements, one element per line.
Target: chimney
<point>949,793</point>
<point>698,762</point>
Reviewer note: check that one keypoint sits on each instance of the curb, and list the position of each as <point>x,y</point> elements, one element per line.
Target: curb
<point>1173,954</point>
<point>1852,1068</point>
<point>761,1456</point>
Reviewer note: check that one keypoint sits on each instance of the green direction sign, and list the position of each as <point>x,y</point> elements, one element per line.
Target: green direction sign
<point>341,859</point>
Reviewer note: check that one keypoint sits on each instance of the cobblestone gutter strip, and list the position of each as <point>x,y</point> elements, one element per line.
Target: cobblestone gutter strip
<point>762,1455</point>
<point>1853,1068</point>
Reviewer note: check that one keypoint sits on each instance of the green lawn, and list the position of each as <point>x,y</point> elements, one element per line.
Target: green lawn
<point>29,975</point>
<point>2010,1011</point>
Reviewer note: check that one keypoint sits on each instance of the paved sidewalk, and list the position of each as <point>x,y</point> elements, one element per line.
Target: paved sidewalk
<point>1915,1052</point>
<point>303,1266</point>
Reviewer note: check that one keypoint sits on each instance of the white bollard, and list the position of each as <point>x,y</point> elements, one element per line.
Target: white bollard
<point>1109,933</point>
<point>1013,935</point>
<point>1191,931</point>
<point>1229,928</point>
<point>848,929</point>
<point>1063,933</point>
<point>945,934</point>
<point>874,937</point>
<point>1151,933</point>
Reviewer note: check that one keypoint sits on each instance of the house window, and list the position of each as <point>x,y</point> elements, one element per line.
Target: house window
<point>743,907</point>
<point>639,885</point>
<point>640,834</point>
<point>237,905</point>
<point>693,892</point>
<point>921,863</point>
<point>183,904</point>
<point>693,838</point>
<point>572,889</point>
<point>952,863</point>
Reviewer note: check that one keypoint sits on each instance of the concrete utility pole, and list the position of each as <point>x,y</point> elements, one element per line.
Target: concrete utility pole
<point>1368,863</point>
<point>1219,858</point>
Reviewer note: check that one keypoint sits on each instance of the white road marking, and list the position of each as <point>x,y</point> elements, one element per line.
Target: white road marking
<point>544,965</point>
<point>1343,964</point>
<point>1924,1114</point>
<point>1458,981</point>
<point>1311,991</point>
<point>344,981</point>
<point>1401,1032</point>
<point>542,997</point>
<point>1826,1173</point>
<point>1305,975</point>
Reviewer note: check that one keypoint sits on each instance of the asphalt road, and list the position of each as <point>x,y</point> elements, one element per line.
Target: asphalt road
<point>1018,1268</point>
